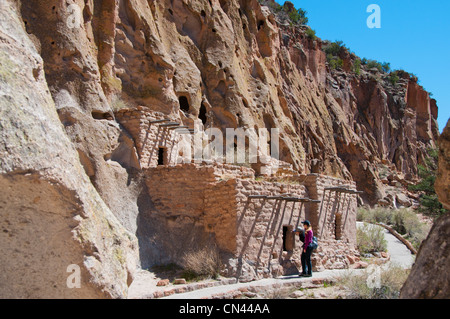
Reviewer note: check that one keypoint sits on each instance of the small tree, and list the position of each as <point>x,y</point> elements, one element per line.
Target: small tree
<point>386,67</point>
<point>334,48</point>
<point>357,66</point>
<point>393,78</point>
<point>298,16</point>
<point>310,33</point>
<point>429,201</point>
<point>371,64</point>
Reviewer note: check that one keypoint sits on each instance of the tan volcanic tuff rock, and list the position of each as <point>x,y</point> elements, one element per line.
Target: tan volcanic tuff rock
<point>234,65</point>
<point>230,63</point>
<point>442,184</point>
<point>430,274</point>
<point>52,218</point>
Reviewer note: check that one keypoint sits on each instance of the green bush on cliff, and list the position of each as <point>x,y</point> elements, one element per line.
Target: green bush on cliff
<point>394,78</point>
<point>357,66</point>
<point>295,16</point>
<point>334,48</point>
<point>310,33</point>
<point>298,16</point>
<point>429,202</point>
<point>373,64</point>
<point>333,51</point>
<point>335,62</point>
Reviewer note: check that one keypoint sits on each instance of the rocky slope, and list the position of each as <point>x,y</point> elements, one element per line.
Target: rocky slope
<point>67,66</point>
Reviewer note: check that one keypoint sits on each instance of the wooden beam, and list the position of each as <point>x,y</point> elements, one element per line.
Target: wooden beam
<point>257,196</point>
<point>170,124</point>
<point>159,121</point>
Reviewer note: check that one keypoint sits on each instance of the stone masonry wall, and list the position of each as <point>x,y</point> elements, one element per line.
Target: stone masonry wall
<point>193,205</point>
<point>265,242</point>
<point>220,204</point>
<point>149,137</point>
<point>333,221</point>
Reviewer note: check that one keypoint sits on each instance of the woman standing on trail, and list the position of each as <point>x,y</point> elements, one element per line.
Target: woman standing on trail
<point>307,250</point>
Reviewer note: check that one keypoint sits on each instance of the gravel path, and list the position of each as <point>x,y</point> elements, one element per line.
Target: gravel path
<point>144,285</point>
<point>400,254</point>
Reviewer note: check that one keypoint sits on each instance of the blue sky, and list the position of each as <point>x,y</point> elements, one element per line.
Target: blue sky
<point>414,36</point>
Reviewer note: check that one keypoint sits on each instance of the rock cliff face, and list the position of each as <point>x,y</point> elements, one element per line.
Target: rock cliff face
<point>234,65</point>
<point>430,274</point>
<point>67,66</point>
<point>54,223</point>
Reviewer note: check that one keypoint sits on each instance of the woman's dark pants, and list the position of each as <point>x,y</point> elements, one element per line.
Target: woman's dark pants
<point>306,261</point>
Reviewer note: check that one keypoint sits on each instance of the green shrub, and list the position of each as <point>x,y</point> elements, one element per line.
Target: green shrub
<point>335,62</point>
<point>298,16</point>
<point>370,238</point>
<point>374,215</point>
<point>386,67</point>
<point>310,33</point>
<point>371,64</point>
<point>404,221</point>
<point>429,202</point>
<point>394,78</point>
<point>334,48</point>
<point>357,66</point>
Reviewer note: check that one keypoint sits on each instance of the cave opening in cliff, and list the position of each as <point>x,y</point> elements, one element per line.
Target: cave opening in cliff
<point>260,24</point>
<point>184,103</point>
<point>100,115</point>
<point>202,115</point>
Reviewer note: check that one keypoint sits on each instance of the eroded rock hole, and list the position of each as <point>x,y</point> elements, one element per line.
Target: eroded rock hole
<point>202,115</point>
<point>184,103</point>
<point>99,115</point>
<point>260,24</point>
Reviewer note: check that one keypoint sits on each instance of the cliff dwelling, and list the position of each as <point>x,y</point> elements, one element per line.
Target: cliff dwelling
<point>97,168</point>
<point>248,218</point>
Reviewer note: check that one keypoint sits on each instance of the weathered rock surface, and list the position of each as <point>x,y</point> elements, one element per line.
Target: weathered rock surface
<point>442,184</point>
<point>72,189</point>
<point>51,215</point>
<point>234,65</point>
<point>430,275</point>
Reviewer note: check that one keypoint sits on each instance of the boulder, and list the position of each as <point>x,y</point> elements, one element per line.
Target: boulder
<point>429,277</point>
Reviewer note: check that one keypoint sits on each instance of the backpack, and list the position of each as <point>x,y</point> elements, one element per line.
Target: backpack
<point>314,244</point>
<point>301,235</point>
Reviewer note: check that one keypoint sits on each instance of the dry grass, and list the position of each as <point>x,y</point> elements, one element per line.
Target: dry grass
<point>391,281</point>
<point>202,263</point>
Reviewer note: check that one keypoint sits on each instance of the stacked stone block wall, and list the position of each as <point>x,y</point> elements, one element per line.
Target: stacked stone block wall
<point>149,137</point>
<point>222,204</point>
